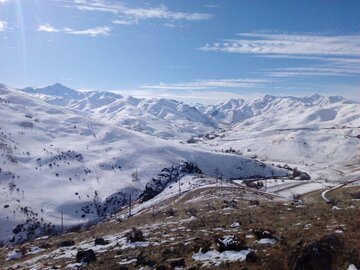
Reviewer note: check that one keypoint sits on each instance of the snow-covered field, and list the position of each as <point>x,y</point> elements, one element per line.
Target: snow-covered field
<point>55,160</point>
<point>316,134</point>
<point>76,153</point>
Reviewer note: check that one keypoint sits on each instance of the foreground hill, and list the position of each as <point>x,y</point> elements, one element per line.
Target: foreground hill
<point>208,228</point>
<point>55,160</point>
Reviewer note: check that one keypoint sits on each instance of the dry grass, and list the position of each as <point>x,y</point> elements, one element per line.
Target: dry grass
<point>177,236</point>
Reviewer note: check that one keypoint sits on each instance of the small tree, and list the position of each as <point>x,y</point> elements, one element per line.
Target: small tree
<point>135,177</point>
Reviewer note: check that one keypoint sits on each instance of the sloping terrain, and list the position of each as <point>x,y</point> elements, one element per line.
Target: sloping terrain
<point>75,161</point>
<point>309,112</point>
<point>317,134</point>
<point>56,161</point>
<point>208,227</point>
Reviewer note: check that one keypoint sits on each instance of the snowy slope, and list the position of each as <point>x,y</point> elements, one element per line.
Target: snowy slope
<point>316,109</point>
<point>54,160</point>
<point>165,118</point>
<point>317,134</point>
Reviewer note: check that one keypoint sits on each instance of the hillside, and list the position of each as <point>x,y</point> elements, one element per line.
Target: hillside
<point>208,227</point>
<point>55,160</point>
<point>300,112</point>
<point>317,134</point>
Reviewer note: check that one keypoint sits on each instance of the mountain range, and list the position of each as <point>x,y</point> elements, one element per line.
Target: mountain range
<point>82,154</point>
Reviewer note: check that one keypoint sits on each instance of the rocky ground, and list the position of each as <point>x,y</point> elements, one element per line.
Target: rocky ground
<point>210,228</point>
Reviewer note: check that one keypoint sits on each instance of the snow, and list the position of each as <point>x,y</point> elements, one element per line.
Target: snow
<point>216,258</point>
<point>70,162</point>
<point>267,241</point>
<point>235,225</point>
<point>14,255</point>
<point>316,134</point>
<point>73,265</point>
<point>352,267</point>
<point>150,116</point>
<point>73,152</point>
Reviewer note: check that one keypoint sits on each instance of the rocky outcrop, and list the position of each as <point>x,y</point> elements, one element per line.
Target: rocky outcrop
<point>166,176</point>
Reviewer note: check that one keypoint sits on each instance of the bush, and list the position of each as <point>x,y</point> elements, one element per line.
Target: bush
<point>135,235</point>
<point>191,212</point>
<point>263,233</point>
<point>170,212</point>
<point>254,202</point>
<point>295,196</point>
<point>202,244</point>
<point>355,195</point>
<point>235,243</point>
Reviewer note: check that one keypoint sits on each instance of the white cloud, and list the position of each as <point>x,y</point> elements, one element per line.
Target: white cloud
<point>290,44</point>
<point>208,84</point>
<point>125,21</point>
<point>339,54</point>
<point>3,26</point>
<point>94,5</point>
<point>47,28</point>
<point>134,15</point>
<point>315,71</point>
<point>93,32</point>
<point>97,31</point>
<point>162,12</point>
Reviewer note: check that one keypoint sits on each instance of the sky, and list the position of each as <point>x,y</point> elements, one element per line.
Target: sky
<point>203,50</point>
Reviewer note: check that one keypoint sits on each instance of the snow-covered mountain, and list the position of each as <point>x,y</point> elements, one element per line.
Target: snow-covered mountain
<point>303,111</point>
<point>165,118</point>
<point>170,119</point>
<point>307,130</point>
<point>54,160</point>
<point>319,134</point>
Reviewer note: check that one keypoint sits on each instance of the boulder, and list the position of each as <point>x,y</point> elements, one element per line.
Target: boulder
<point>316,255</point>
<point>101,242</point>
<point>251,257</point>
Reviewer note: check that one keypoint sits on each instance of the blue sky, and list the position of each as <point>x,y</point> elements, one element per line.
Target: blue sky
<point>201,50</point>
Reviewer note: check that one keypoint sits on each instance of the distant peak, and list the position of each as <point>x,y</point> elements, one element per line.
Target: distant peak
<point>59,85</point>
<point>269,97</point>
<point>316,96</point>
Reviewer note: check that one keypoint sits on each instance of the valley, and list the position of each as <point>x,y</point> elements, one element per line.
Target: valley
<point>79,164</point>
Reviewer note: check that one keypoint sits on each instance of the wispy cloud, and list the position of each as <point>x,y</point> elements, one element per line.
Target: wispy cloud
<point>315,71</point>
<point>3,26</point>
<point>208,84</point>
<point>97,31</point>
<point>47,28</point>
<point>93,32</point>
<point>126,21</point>
<point>289,44</point>
<point>162,12</point>
<point>94,5</point>
<point>338,55</point>
<point>129,15</point>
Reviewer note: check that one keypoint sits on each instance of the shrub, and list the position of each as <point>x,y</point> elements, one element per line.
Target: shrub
<point>170,212</point>
<point>355,195</point>
<point>191,212</point>
<point>135,235</point>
